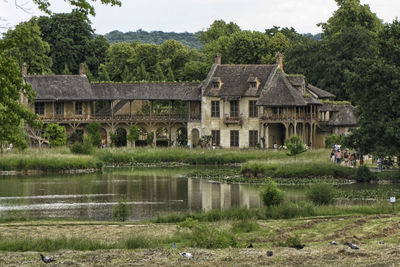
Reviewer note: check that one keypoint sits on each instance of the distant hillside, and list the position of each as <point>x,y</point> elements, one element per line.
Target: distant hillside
<point>155,37</point>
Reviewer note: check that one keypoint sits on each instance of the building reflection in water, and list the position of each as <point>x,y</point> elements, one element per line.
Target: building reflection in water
<point>205,195</point>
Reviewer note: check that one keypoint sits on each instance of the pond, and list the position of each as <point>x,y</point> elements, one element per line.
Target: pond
<point>148,192</point>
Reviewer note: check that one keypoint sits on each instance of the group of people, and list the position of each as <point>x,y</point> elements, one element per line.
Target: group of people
<point>347,158</point>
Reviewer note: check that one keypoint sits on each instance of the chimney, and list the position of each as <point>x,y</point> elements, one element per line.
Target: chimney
<point>82,69</point>
<point>24,69</point>
<point>217,59</point>
<point>279,60</point>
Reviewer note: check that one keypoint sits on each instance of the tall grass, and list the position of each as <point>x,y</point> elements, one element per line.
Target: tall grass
<point>296,169</point>
<point>47,162</point>
<point>191,156</point>
<point>286,210</point>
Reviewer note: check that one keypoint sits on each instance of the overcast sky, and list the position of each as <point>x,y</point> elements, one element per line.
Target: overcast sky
<point>196,15</point>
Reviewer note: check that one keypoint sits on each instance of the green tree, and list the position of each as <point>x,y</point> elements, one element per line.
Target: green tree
<point>118,56</point>
<point>26,45</point>
<point>13,115</point>
<point>56,134</point>
<point>295,146</point>
<point>83,6</point>
<point>376,92</point>
<point>218,29</point>
<point>170,75</point>
<point>66,70</point>
<point>96,54</point>
<point>158,74</point>
<point>133,135</point>
<point>93,130</point>
<point>69,36</point>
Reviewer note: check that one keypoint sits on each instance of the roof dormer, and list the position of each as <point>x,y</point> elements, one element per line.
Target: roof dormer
<point>253,82</point>
<point>216,83</point>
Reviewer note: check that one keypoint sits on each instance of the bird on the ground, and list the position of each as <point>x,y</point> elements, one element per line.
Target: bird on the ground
<point>250,246</point>
<point>298,246</point>
<point>381,242</point>
<point>173,245</point>
<point>187,255</point>
<point>270,253</point>
<point>334,243</point>
<point>352,246</point>
<point>46,259</point>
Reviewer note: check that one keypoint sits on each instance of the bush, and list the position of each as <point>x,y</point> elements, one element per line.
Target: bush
<point>245,226</point>
<point>121,211</point>
<point>85,148</point>
<point>291,241</point>
<point>363,174</point>
<point>270,194</point>
<point>321,193</point>
<point>203,236</point>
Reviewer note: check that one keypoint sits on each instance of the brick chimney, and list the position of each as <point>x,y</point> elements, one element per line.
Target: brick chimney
<point>24,69</point>
<point>279,60</point>
<point>82,69</point>
<point>217,59</point>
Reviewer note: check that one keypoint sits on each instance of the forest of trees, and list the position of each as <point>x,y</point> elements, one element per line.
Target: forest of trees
<point>357,58</point>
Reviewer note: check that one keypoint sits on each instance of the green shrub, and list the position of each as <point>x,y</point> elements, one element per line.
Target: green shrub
<point>291,241</point>
<point>140,242</point>
<point>204,236</point>
<point>93,130</point>
<point>245,226</point>
<point>271,194</point>
<point>85,148</point>
<point>121,211</point>
<point>363,174</point>
<point>321,193</point>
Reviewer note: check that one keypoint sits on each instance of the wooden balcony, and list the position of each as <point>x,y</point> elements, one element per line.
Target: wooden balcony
<point>233,120</point>
<point>119,118</point>
<point>288,118</point>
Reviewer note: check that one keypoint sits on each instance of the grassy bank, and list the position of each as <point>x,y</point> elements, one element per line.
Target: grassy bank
<point>296,169</point>
<point>47,160</point>
<point>126,156</point>
<point>226,243</point>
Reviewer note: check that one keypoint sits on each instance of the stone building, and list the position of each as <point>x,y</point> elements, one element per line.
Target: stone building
<point>236,106</point>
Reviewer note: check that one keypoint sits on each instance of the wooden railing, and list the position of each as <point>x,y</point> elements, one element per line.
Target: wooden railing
<point>276,117</point>
<point>128,118</point>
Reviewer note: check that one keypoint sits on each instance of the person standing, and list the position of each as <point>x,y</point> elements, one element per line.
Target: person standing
<point>339,156</point>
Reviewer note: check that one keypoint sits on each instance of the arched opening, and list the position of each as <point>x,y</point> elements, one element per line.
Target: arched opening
<point>103,134</point>
<point>142,140</point>
<point>276,134</point>
<point>195,137</point>
<point>162,137</point>
<point>181,136</point>
<point>119,138</point>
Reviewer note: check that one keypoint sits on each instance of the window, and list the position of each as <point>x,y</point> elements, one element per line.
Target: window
<point>216,137</point>
<point>234,138</point>
<point>215,85</point>
<point>275,110</point>
<point>78,108</point>
<point>39,108</point>
<point>235,109</point>
<point>253,111</point>
<point>215,109</point>
<point>253,84</point>
<point>253,138</point>
<point>59,108</point>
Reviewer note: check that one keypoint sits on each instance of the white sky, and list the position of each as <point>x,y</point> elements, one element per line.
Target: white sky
<point>195,15</point>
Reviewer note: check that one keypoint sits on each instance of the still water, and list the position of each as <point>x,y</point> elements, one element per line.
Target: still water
<point>148,193</point>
